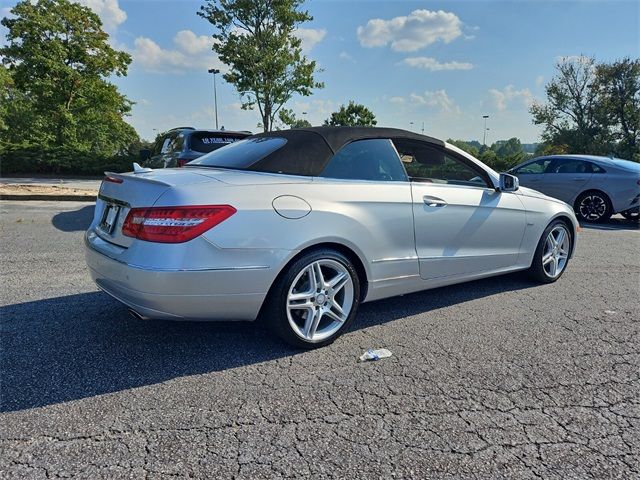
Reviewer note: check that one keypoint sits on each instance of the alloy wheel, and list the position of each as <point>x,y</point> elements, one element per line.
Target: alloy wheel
<point>556,251</point>
<point>320,300</point>
<point>592,207</point>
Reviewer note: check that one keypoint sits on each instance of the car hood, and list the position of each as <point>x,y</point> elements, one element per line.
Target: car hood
<point>529,192</point>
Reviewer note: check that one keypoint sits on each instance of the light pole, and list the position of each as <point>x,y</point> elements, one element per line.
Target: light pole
<point>411,125</point>
<point>423,127</point>
<point>215,93</point>
<point>484,133</point>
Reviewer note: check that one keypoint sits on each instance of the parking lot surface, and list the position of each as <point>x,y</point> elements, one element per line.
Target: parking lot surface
<point>499,378</point>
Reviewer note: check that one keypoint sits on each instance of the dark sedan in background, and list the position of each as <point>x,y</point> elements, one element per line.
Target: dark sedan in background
<point>596,187</point>
<point>179,146</point>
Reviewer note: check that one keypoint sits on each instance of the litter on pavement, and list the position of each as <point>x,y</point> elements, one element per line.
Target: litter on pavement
<point>373,355</point>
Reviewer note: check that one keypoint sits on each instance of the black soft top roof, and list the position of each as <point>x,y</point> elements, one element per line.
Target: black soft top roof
<point>308,150</point>
<point>338,137</point>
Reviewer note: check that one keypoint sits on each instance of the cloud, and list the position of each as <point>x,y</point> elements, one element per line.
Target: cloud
<point>310,37</point>
<point>192,44</point>
<point>502,99</point>
<point>109,11</point>
<point>432,64</point>
<point>438,99</point>
<point>539,80</point>
<point>345,56</point>
<point>397,100</point>
<point>409,33</point>
<point>192,52</point>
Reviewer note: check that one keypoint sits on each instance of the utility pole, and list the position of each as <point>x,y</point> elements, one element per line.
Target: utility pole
<point>484,133</point>
<point>215,71</point>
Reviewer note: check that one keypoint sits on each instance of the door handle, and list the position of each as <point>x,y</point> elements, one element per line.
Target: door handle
<point>578,179</point>
<point>433,201</point>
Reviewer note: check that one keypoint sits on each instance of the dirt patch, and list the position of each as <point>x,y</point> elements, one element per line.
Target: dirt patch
<point>54,190</point>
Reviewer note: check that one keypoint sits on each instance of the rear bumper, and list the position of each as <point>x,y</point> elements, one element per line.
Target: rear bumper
<point>181,295</point>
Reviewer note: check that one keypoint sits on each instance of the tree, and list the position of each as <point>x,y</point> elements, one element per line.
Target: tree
<point>256,39</point>
<point>618,88</point>
<point>58,58</point>
<point>569,116</point>
<point>466,146</point>
<point>353,115</point>
<point>289,119</point>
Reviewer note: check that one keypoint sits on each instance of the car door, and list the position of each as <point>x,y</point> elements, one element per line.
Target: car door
<point>531,174</point>
<point>366,183</point>
<point>565,178</point>
<point>463,226</point>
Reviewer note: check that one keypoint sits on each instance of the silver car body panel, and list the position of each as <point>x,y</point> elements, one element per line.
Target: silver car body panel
<point>402,243</point>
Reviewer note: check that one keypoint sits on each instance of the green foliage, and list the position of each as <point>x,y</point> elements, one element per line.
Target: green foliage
<point>56,61</point>
<point>466,146</point>
<point>289,119</point>
<point>501,156</point>
<point>256,39</point>
<point>618,88</point>
<point>592,108</point>
<point>61,160</point>
<point>352,115</point>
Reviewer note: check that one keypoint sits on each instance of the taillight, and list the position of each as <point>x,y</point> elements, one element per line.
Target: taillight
<point>174,224</point>
<point>109,178</point>
<point>182,162</point>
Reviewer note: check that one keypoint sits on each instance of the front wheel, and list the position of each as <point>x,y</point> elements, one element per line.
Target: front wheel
<point>552,254</point>
<point>314,300</point>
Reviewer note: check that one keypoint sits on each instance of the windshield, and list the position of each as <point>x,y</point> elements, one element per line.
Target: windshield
<point>240,155</point>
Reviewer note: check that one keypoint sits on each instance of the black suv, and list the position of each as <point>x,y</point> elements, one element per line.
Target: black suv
<point>181,145</point>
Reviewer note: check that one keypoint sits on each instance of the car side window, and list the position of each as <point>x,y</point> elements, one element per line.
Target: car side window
<point>538,166</point>
<point>428,163</point>
<point>570,166</point>
<point>596,168</point>
<point>372,159</point>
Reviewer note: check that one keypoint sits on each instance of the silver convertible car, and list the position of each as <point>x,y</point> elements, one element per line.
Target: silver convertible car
<point>299,227</point>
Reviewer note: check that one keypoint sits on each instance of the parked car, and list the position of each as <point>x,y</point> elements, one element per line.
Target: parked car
<point>304,225</point>
<point>181,145</point>
<point>596,187</point>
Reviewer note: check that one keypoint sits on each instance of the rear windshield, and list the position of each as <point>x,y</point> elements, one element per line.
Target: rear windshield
<point>205,142</point>
<point>241,154</point>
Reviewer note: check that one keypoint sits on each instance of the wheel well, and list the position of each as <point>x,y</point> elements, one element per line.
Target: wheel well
<point>592,190</point>
<point>347,252</point>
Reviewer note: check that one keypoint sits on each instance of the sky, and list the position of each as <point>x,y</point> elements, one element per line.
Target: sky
<point>439,64</point>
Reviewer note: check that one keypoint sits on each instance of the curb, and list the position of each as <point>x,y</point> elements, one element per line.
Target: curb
<point>51,198</point>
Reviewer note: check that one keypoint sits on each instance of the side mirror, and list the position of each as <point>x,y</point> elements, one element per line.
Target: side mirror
<point>145,154</point>
<point>508,183</point>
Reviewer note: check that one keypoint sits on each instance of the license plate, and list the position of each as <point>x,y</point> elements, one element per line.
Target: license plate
<point>109,218</point>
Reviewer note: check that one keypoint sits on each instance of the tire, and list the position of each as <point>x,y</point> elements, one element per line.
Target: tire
<point>541,268</point>
<point>633,214</point>
<point>293,298</point>
<point>593,206</point>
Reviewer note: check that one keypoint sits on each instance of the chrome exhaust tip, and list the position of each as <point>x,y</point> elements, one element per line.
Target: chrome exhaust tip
<point>136,315</point>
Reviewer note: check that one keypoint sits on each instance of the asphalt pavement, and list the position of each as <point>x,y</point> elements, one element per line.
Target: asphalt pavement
<point>499,378</point>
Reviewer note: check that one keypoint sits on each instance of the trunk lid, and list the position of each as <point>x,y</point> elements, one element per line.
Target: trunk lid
<point>130,190</point>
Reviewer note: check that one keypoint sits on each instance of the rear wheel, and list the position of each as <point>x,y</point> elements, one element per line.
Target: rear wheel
<point>552,254</point>
<point>314,300</point>
<point>593,206</point>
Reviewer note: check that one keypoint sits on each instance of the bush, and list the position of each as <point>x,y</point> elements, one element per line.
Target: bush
<point>61,160</point>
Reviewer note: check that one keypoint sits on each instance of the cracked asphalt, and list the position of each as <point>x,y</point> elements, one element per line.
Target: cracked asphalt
<point>499,378</point>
